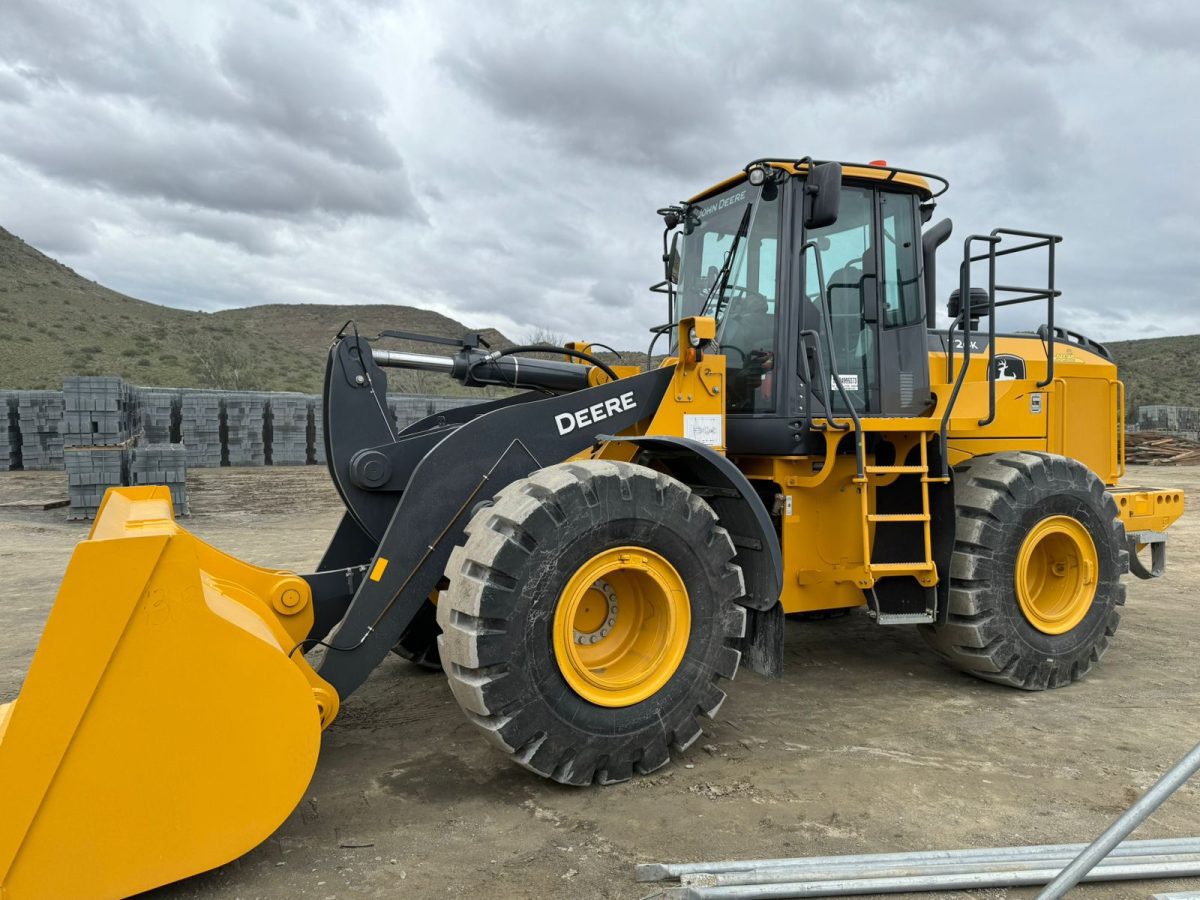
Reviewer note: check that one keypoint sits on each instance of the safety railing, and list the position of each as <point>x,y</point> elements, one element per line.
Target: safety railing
<point>1012,295</point>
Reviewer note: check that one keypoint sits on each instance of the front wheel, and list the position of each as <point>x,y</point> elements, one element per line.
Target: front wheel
<point>588,620</point>
<point>1035,579</point>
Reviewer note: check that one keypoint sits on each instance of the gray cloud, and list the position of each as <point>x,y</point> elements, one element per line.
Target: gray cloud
<point>502,164</point>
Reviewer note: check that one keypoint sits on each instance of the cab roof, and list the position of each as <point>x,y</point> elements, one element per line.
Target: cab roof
<point>877,171</point>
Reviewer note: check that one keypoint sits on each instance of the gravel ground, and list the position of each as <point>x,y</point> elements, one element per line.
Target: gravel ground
<point>867,744</point>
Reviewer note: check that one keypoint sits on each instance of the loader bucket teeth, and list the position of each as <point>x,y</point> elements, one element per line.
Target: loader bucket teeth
<point>163,729</point>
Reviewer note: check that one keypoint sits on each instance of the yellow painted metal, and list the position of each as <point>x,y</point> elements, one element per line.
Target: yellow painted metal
<point>1056,574</point>
<point>163,729</point>
<point>697,389</point>
<point>621,626</point>
<point>850,173</point>
<point>1148,509</point>
<point>1080,414</point>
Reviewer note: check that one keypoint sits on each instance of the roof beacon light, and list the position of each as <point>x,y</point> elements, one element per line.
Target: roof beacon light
<point>878,162</point>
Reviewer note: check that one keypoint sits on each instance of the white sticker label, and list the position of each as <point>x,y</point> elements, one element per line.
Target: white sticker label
<point>787,505</point>
<point>704,429</point>
<point>1035,403</point>
<point>849,382</point>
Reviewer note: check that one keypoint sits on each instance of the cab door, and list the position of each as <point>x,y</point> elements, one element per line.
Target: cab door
<point>848,258</point>
<point>901,326</point>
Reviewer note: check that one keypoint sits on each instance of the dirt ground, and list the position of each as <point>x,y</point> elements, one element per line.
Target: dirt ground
<point>868,744</point>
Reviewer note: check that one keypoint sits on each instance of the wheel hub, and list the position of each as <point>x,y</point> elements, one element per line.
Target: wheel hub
<point>1056,574</point>
<point>621,626</point>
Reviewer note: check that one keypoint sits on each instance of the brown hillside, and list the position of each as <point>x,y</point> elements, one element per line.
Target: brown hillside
<point>54,322</point>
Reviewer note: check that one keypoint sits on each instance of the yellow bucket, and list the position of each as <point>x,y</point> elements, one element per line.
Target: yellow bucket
<point>165,727</point>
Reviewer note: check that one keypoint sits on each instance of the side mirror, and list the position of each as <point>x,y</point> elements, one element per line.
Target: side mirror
<point>673,260</point>
<point>822,195</point>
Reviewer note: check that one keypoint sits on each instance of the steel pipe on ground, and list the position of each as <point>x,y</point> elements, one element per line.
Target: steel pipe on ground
<point>665,871</point>
<point>851,887</point>
<point>784,874</point>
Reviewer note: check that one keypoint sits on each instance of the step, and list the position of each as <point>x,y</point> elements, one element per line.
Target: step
<point>884,618</point>
<point>897,517</point>
<point>899,568</point>
<point>896,470</point>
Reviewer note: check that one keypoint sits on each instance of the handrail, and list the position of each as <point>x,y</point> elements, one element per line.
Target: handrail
<point>964,293</point>
<point>1049,241</point>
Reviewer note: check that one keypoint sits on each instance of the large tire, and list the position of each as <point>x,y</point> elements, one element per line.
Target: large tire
<point>498,618</point>
<point>1002,502</point>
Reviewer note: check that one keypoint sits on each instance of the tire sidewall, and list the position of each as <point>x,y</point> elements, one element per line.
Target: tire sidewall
<point>550,568</point>
<point>1080,505</point>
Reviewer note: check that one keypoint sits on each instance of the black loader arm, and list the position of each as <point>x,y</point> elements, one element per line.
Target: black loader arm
<point>408,496</point>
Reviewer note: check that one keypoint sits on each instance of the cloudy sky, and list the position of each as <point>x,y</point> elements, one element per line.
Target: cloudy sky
<point>501,162</point>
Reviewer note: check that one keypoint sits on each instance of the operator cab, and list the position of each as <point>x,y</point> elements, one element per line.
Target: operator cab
<point>751,254</point>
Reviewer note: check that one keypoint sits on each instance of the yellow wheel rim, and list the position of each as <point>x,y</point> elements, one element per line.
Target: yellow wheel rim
<point>621,626</point>
<point>1056,574</point>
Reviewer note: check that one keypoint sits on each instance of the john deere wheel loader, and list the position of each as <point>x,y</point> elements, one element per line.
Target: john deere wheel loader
<point>593,555</point>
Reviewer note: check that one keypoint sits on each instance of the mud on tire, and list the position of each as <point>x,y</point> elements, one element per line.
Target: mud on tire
<point>999,498</point>
<point>497,618</point>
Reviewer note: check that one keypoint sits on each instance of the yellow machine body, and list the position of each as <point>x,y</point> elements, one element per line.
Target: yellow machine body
<point>163,729</point>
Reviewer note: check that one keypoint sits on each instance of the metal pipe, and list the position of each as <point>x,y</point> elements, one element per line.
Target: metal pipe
<point>1125,823</point>
<point>783,875</point>
<point>664,871</point>
<point>426,362</point>
<point>857,886</point>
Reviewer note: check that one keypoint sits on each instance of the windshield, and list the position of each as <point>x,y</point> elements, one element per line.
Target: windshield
<point>729,271</point>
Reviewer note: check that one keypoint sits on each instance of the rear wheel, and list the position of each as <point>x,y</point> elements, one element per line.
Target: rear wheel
<point>588,619</point>
<point>1035,579</point>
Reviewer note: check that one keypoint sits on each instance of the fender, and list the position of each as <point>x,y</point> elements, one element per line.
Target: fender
<point>737,504</point>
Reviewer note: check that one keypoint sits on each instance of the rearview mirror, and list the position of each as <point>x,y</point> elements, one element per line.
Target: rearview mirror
<point>673,260</point>
<point>822,195</point>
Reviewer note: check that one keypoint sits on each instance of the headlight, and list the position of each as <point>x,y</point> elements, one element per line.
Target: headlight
<point>757,174</point>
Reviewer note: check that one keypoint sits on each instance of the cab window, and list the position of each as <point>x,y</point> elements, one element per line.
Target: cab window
<point>900,276</point>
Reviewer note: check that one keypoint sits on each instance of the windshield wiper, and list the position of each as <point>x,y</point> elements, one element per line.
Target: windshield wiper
<point>722,280</point>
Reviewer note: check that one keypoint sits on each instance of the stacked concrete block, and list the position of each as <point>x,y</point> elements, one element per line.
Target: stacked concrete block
<point>162,464</point>
<point>161,414</point>
<point>245,419</point>
<point>98,411</point>
<point>40,420</point>
<point>287,429</point>
<point>10,434</point>
<point>200,428</point>
<point>90,472</point>
<point>316,433</point>
<point>1180,420</point>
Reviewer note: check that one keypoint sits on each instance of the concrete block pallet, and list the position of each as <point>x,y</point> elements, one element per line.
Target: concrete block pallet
<point>40,420</point>
<point>200,428</point>
<point>10,434</point>
<point>90,472</point>
<point>245,416</point>
<point>162,414</point>
<point>287,429</point>
<point>1183,421</point>
<point>165,464</point>
<point>98,411</point>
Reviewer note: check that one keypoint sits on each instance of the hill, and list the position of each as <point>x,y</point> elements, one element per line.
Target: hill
<point>1159,370</point>
<point>57,323</point>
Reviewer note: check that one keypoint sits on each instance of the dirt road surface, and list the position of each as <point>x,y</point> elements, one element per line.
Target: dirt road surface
<point>867,744</point>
